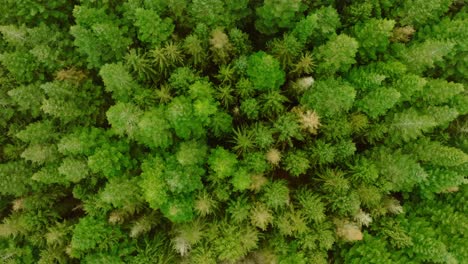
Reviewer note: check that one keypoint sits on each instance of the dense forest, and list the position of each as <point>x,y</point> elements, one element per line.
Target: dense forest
<point>233,131</point>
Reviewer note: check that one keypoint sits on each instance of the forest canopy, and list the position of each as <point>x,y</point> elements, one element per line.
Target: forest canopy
<point>217,131</point>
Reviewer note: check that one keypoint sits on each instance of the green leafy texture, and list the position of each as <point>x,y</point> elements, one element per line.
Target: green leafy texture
<point>285,50</point>
<point>442,180</point>
<point>235,241</point>
<point>329,97</point>
<point>427,11</point>
<point>40,153</point>
<point>311,205</point>
<point>153,130</point>
<point>74,169</point>
<point>152,28</point>
<point>15,178</point>
<point>276,195</point>
<point>304,29</point>
<point>32,52</point>
<point>217,13</point>
<point>367,79</point>
<point>422,56</point>
<point>273,103</point>
<point>179,209</point>
<point>49,174</point>
<point>322,152</point>
<point>27,98</point>
<point>240,41</point>
<point>22,65</point>
<point>263,136</point>
<point>437,154</point>
<point>34,12</point>
<point>124,118</point>
<point>191,153</point>
<point>118,81</point>
<point>265,72</point>
<point>288,128</point>
<point>236,131</point>
<point>220,124</point>
<point>65,100</point>
<point>110,159</point>
<point>98,36</point>
<point>397,171</point>
<point>364,170</point>
<point>81,141</point>
<point>222,162</point>
<point>275,15</point>
<point>409,125</point>
<point>166,57</point>
<point>139,64</point>
<point>373,37</point>
<point>185,179</point>
<point>408,85</point>
<point>94,234</point>
<point>153,185</point>
<point>241,179</point>
<point>328,21</point>
<point>243,140</point>
<point>181,117</point>
<point>371,250</point>
<point>337,55</point>
<point>250,107</point>
<point>377,102</point>
<point>363,10</point>
<point>239,209</point>
<point>255,162</point>
<point>438,91</point>
<point>296,163</point>
<point>453,29</point>
<point>120,193</point>
<point>38,132</point>
<point>194,47</point>
<point>261,216</point>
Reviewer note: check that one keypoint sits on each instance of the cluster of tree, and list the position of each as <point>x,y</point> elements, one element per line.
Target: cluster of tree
<point>211,131</point>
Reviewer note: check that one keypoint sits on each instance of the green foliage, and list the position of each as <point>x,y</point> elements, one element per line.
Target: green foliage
<point>438,92</point>
<point>222,162</point>
<point>118,81</point>
<point>422,56</point>
<point>373,37</point>
<point>276,195</point>
<point>218,13</point>
<point>15,178</point>
<point>153,129</point>
<point>153,185</point>
<point>210,131</point>
<point>337,55</point>
<point>437,154</point>
<point>410,124</point>
<point>288,128</point>
<point>377,102</point>
<point>427,11</point>
<point>275,15</point>
<point>98,36</point>
<point>397,171</point>
<point>329,97</point>
<point>264,72</point>
<point>110,159</point>
<point>92,234</point>
<point>296,163</point>
<point>124,118</point>
<point>151,28</point>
